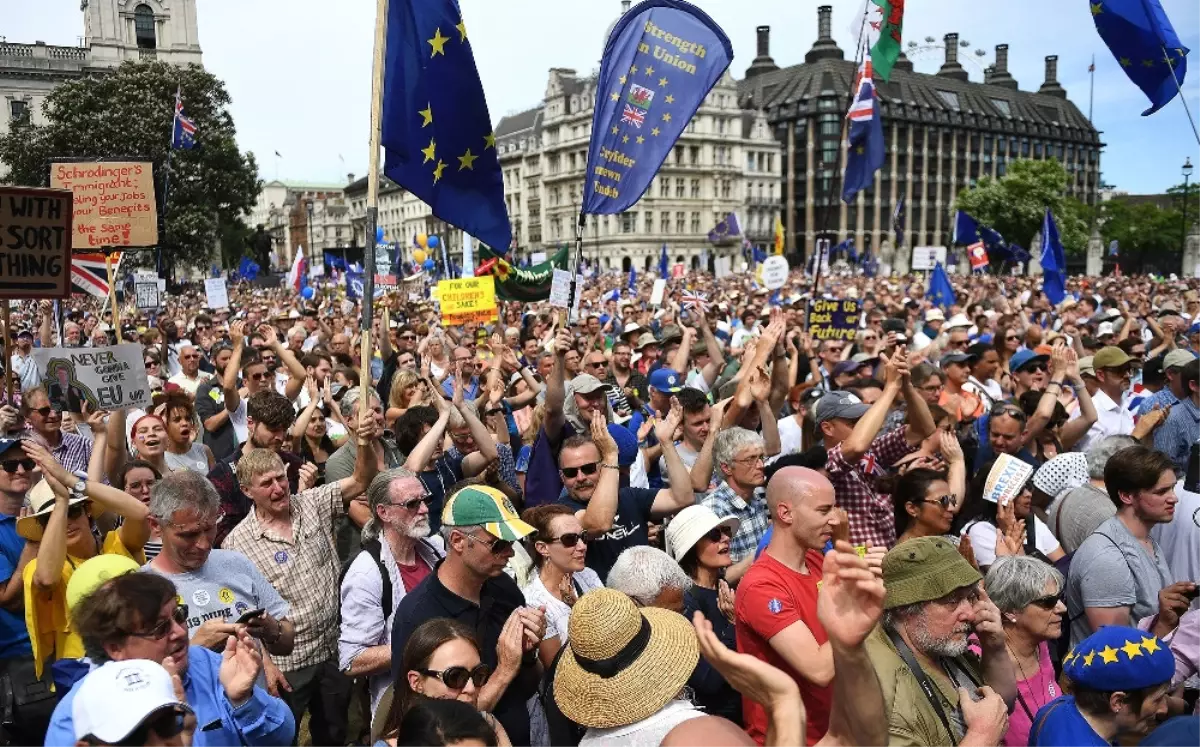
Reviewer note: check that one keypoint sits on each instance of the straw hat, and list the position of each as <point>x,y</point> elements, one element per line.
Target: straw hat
<point>41,503</point>
<point>622,664</point>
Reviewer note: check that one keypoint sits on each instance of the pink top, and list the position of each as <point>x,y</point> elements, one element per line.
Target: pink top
<point>1035,692</point>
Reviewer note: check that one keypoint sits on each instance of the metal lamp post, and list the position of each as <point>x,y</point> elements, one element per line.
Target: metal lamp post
<point>1187,174</point>
<point>311,248</point>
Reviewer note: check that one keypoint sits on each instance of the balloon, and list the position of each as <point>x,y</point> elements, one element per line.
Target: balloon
<point>429,265</point>
<point>422,240</point>
<point>418,256</point>
<point>308,293</point>
<point>433,242</point>
<point>378,234</point>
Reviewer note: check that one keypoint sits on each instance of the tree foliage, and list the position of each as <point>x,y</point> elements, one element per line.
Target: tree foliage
<point>1015,204</point>
<point>1150,232</point>
<point>129,114</point>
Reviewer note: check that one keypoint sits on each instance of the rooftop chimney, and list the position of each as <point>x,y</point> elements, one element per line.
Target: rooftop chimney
<point>350,178</point>
<point>624,6</point>
<point>1051,86</point>
<point>903,63</point>
<point>763,62</point>
<point>825,48</point>
<point>951,67</point>
<point>1000,74</point>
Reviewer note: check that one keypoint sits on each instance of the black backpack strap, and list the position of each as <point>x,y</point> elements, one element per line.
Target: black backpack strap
<point>927,686</point>
<point>374,548</point>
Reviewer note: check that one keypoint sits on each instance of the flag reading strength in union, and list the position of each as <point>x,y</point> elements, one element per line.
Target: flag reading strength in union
<point>437,135</point>
<point>865,152</point>
<point>661,60</point>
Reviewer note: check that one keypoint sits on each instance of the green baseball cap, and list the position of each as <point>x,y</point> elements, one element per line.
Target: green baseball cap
<point>479,505</point>
<point>924,569</point>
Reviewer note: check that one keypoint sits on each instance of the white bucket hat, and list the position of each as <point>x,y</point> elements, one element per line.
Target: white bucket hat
<point>692,523</point>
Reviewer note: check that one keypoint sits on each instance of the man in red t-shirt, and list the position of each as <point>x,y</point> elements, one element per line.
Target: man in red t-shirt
<point>776,607</point>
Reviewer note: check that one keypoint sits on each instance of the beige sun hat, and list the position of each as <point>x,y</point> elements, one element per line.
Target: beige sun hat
<point>41,503</point>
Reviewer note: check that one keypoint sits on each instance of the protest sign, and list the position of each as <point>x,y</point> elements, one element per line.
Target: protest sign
<point>560,290</point>
<point>216,293</point>
<point>114,202</point>
<point>1005,480</point>
<point>574,318</point>
<point>833,319</point>
<point>660,288</point>
<point>774,272</point>
<point>105,378</point>
<point>678,270</point>
<point>145,289</point>
<point>927,257</point>
<point>467,300</point>
<point>537,258</point>
<point>35,243</point>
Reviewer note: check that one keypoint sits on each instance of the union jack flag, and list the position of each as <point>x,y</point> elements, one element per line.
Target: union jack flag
<point>694,300</point>
<point>184,134</point>
<point>634,116</point>
<point>89,274</point>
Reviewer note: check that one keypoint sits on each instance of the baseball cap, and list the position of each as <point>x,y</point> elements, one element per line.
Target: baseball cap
<point>845,367</point>
<point>117,697</point>
<point>843,405</point>
<point>666,381</point>
<point>25,333</point>
<point>480,505</point>
<point>1022,358</point>
<point>627,444</point>
<point>1110,357</point>
<point>924,569</point>
<point>1105,329</point>
<point>956,357</point>
<point>586,384</point>
<point>7,444</point>
<point>1086,367</point>
<point>1178,358</point>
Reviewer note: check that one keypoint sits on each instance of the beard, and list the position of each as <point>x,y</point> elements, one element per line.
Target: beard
<point>934,646</point>
<point>419,529</point>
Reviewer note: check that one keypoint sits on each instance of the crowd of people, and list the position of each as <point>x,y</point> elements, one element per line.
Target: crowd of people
<point>685,523</point>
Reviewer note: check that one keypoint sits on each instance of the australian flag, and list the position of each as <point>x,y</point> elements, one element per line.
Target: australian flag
<point>437,134</point>
<point>184,134</point>
<point>866,146</point>
<point>1145,45</point>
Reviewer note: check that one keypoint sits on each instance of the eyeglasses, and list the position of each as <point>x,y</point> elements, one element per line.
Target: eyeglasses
<point>412,504</point>
<point>945,501</point>
<point>587,469</point>
<point>258,376</point>
<point>162,627</point>
<point>73,513</point>
<point>716,533</point>
<point>497,546</point>
<point>408,337</point>
<point>44,411</point>
<point>1048,602</point>
<point>151,363</point>
<point>756,459</point>
<point>570,539</point>
<point>1012,337</point>
<point>456,678</point>
<point>11,465</point>
<point>598,364</point>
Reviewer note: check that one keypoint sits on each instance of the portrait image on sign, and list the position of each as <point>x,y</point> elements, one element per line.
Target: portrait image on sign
<point>35,242</point>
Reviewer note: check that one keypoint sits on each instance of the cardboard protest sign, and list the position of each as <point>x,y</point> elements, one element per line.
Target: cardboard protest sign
<point>927,257</point>
<point>1006,479</point>
<point>560,289</point>
<point>660,290</point>
<point>216,293</point>
<point>114,202</point>
<point>106,378</point>
<point>833,319</point>
<point>145,289</point>
<point>35,243</point>
<point>467,300</point>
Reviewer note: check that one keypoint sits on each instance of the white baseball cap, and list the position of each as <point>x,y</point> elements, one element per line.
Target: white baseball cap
<point>118,696</point>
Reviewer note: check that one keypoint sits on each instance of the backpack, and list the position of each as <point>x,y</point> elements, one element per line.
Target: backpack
<point>374,548</point>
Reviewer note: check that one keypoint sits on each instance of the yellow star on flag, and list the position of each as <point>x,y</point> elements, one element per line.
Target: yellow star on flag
<point>666,116</point>
<point>427,114</point>
<point>662,81</point>
<point>467,161</point>
<point>1132,649</point>
<point>622,79</point>
<point>640,139</point>
<point>437,42</point>
<point>1087,658</point>
<point>437,171</point>
<point>670,99</point>
<point>1069,657</point>
<point>1126,62</point>
<point>649,70</point>
<point>624,138</point>
<point>462,31</point>
<point>860,150</point>
<point>654,131</point>
<point>1151,645</point>
<point>1097,8</point>
<point>614,130</point>
<point>1109,655</point>
<point>615,96</point>
<point>1147,63</point>
<point>633,69</point>
<point>489,141</point>
<point>429,152</point>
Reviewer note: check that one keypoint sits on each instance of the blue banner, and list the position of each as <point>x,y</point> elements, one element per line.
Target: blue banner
<point>833,319</point>
<point>661,60</point>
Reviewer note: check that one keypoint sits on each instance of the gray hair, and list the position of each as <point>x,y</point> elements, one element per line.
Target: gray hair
<point>183,491</point>
<point>379,493</point>
<point>446,530</point>
<point>1099,454</point>
<point>456,418</point>
<point>643,572</point>
<point>349,402</point>
<point>1016,580</point>
<point>732,440</point>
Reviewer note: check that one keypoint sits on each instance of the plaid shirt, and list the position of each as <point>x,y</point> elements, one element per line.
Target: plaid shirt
<point>872,520</point>
<point>1178,432</point>
<point>73,452</point>
<point>755,519</point>
<point>304,570</point>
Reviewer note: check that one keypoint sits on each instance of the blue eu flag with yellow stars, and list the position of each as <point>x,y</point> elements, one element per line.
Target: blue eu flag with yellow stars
<point>437,135</point>
<point>1141,38</point>
<point>661,60</point>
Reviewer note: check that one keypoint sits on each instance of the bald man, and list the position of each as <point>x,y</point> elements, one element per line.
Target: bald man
<point>190,377</point>
<point>776,607</point>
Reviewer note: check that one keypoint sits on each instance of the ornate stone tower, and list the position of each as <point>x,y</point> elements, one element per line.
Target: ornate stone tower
<point>119,30</point>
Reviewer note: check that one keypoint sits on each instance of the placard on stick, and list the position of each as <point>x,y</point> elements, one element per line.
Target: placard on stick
<point>145,288</point>
<point>106,378</point>
<point>114,202</point>
<point>467,300</point>
<point>833,319</point>
<point>216,293</point>
<point>35,242</point>
<point>560,289</point>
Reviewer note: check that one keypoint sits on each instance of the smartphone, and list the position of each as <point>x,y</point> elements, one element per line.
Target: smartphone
<point>250,615</point>
<point>1195,592</point>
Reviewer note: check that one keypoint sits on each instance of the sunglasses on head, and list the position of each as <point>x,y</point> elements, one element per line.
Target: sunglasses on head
<point>587,469</point>
<point>1048,602</point>
<point>570,539</point>
<point>456,678</point>
<point>716,533</point>
<point>10,466</point>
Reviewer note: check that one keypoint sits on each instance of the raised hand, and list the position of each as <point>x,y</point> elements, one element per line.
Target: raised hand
<point>237,333</point>
<point>850,601</point>
<point>268,332</point>
<point>726,599</point>
<point>240,664</point>
<point>1058,361</point>
<point>310,387</point>
<point>510,645</point>
<point>664,428</point>
<point>987,717</point>
<point>458,384</point>
<point>949,447</point>
<point>308,477</point>
<point>563,341</point>
<point>603,439</point>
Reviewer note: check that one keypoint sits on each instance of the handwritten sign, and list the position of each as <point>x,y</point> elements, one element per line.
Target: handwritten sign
<point>467,300</point>
<point>833,319</point>
<point>114,202</point>
<point>216,293</point>
<point>774,272</point>
<point>35,243</point>
<point>560,290</point>
<point>106,378</point>
<point>145,289</point>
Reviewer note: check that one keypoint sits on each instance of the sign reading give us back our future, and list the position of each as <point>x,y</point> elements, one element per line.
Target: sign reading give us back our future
<point>833,319</point>
<point>35,243</point>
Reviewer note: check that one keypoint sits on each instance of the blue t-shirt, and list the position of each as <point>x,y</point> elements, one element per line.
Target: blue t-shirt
<point>14,636</point>
<point>629,528</point>
<point>1060,724</point>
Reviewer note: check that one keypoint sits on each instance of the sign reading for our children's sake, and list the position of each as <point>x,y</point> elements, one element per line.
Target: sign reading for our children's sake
<point>833,319</point>
<point>105,378</point>
<point>467,300</point>
<point>114,202</point>
<point>35,243</point>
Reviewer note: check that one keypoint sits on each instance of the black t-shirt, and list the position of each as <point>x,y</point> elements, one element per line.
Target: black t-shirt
<point>210,400</point>
<point>629,528</point>
<point>498,598</point>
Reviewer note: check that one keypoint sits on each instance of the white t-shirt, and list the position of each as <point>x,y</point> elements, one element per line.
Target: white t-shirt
<point>789,438</point>
<point>237,419</point>
<point>983,540</point>
<point>557,612</point>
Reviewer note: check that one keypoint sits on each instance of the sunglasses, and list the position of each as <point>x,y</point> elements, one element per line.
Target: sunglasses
<point>162,627</point>
<point>414,504</point>
<point>408,337</point>
<point>497,546</point>
<point>1048,602</point>
<point>151,363</point>
<point>1012,337</point>
<point>587,469</point>
<point>45,411</point>
<point>11,465</point>
<point>73,513</point>
<point>258,376</point>
<point>716,533</point>
<point>1009,410</point>
<point>946,501</point>
<point>1033,368</point>
<point>456,678</point>
<point>570,539</point>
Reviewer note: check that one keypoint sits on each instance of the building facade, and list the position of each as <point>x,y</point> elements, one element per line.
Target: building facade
<point>943,133</point>
<point>114,31</point>
<point>402,216</point>
<point>305,215</point>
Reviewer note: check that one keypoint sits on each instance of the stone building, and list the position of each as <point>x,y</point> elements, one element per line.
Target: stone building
<point>283,210</point>
<point>402,215</point>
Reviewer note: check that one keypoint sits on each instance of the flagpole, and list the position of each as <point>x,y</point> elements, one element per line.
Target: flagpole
<point>372,219</point>
<point>1182,98</point>
<point>1091,86</point>
<point>158,264</point>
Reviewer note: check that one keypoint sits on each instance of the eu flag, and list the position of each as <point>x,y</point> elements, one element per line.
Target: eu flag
<point>1141,38</point>
<point>437,135</point>
<point>941,292</point>
<point>661,60</point>
<point>866,148</point>
<point>966,230</point>
<point>1054,261</point>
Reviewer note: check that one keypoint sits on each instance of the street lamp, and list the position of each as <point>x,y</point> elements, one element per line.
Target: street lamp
<point>309,205</point>
<point>1187,174</point>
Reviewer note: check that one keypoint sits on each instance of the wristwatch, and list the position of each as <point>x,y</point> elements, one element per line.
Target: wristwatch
<point>79,489</point>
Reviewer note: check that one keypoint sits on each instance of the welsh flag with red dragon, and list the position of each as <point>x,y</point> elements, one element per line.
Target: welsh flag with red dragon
<point>879,26</point>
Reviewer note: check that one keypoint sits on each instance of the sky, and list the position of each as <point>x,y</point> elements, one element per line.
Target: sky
<point>299,71</point>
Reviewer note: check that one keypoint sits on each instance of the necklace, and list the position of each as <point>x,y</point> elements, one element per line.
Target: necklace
<point>1025,678</point>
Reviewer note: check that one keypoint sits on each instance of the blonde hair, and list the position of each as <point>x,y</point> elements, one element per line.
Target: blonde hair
<point>256,463</point>
<point>400,382</point>
<point>535,424</point>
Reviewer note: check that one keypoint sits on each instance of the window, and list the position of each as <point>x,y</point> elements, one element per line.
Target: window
<point>649,222</point>
<point>19,111</point>
<point>664,222</point>
<point>680,222</point>
<point>830,125</point>
<point>694,155</point>
<point>1024,147</point>
<point>628,222</point>
<point>829,153</point>
<point>725,186</point>
<point>1037,149</point>
<point>570,162</point>
<point>695,222</point>
<point>555,196</point>
<point>695,188</point>
<point>771,162</point>
<point>749,162</point>
<point>664,187</point>
<point>1002,107</point>
<point>143,27</point>
<point>950,98</point>
<point>678,154</point>
<point>679,186</point>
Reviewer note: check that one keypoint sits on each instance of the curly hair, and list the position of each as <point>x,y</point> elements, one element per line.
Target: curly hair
<point>401,382</point>
<point>271,409</point>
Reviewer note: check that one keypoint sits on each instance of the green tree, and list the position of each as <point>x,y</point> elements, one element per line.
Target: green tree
<point>129,114</point>
<point>1015,204</point>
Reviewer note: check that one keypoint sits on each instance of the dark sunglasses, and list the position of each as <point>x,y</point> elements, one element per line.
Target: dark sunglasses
<point>587,469</point>
<point>414,504</point>
<point>1010,410</point>
<point>73,513</point>
<point>151,363</point>
<point>946,501</point>
<point>497,546</point>
<point>167,723</point>
<point>716,533</point>
<point>1048,602</point>
<point>11,465</point>
<point>257,376</point>
<point>1012,337</point>
<point>456,678</point>
<point>1033,368</point>
<point>45,411</point>
<point>162,627</point>
<point>570,539</point>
